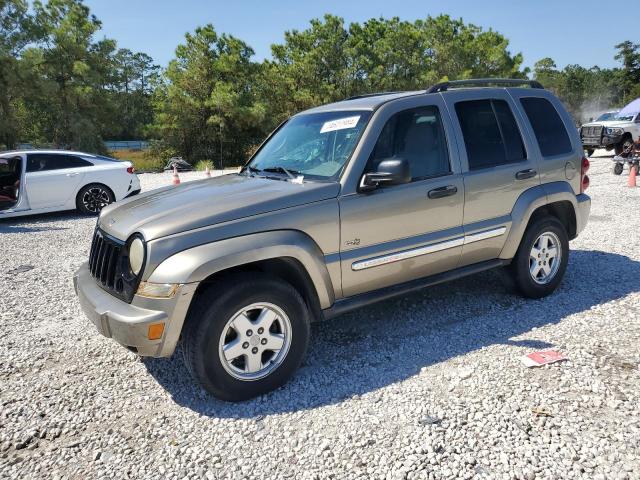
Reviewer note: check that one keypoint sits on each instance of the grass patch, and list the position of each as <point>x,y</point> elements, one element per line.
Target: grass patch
<point>143,161</point>
<point>201,165</point>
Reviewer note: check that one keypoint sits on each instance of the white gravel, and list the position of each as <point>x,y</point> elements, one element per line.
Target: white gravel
<point>426,386</point>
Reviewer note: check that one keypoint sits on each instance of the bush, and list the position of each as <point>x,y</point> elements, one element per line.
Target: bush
<point>162,150</point>
<point>142,161</point>
<point>202,165</point>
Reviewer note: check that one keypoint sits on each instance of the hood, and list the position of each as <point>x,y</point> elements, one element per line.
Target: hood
<point>206,202</point>
<point>608,123</point>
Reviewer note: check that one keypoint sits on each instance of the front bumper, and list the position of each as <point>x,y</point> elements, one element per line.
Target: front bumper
<point>582,211</point>
<point>128,324</point>
<point>601,142</point>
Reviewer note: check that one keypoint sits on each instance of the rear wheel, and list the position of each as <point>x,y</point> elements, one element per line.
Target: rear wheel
<point>618,168</point>
<point>542,257</point>
<point>93,198</point>
<point>246,336</point>
<point>589,151</point>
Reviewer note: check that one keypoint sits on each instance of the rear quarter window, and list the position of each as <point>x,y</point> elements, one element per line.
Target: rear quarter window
<point>548,127</point>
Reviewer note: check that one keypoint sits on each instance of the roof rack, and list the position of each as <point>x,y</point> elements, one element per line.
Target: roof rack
<point>444,86</point>
<point>366,95</point>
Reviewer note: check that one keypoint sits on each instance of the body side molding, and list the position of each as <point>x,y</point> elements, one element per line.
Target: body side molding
<point>427,249</point>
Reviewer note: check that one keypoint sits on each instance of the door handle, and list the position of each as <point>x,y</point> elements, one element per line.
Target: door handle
<point>443,191</point>
<point>524,174</point>
<point>72,174</point>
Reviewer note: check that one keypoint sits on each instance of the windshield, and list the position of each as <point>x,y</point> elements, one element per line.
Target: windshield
<point>315,145</point>
<point>624,118</point>
<point>606,116</point>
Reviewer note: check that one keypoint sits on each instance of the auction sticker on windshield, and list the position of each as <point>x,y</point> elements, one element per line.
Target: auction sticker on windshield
<point>340,124</point>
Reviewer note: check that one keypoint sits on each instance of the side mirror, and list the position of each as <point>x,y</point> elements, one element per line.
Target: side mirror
<point>392,171</point>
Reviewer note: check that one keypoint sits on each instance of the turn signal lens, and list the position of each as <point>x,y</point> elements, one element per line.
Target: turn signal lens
<point>585,182</point>
<point>155,331</point>
<point>157,290</point>
<point>131,170</point>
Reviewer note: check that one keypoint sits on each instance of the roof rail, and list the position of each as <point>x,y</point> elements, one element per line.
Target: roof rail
<point>366,95</point>
<point>444,86</point>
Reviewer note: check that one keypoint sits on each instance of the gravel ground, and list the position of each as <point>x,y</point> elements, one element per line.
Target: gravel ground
<point>426,386</point>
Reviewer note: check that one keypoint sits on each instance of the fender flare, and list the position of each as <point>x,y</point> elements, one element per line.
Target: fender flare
<point>527,203</point>
<point>197,263</point>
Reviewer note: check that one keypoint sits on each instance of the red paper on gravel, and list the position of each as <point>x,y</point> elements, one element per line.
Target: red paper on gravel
<point>538,359</point>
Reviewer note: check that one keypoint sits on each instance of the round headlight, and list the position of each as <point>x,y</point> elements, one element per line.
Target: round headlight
<point>136,255</point>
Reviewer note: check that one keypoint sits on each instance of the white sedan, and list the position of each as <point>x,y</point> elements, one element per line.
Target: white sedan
<point>41,181</point>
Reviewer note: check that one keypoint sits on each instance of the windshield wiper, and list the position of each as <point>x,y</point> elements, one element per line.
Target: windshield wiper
<point>249,169</point>
<point>279,169</point>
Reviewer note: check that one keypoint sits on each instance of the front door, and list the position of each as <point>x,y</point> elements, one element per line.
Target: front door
<point>402,232</point>
<point>51,179</point>
<point>499,164</point>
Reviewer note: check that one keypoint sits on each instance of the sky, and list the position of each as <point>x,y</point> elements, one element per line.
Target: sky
<point>569,31</point>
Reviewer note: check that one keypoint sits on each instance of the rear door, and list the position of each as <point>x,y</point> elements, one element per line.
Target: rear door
<point>499,163</point>
<point>51,180</point>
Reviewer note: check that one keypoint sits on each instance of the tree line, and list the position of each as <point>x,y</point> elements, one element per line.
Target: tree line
<point>62,86</point>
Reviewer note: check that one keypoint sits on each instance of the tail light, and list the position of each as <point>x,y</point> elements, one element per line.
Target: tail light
<point>131,170</point>
<point>584,178</point>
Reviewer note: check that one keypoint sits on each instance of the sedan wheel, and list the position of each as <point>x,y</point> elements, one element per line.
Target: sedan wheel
<point>93,198</point>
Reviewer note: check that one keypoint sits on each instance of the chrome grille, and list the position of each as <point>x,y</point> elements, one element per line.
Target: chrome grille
<point>592,131</point>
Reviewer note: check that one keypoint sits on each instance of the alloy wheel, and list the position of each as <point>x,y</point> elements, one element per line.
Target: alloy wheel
<point>255,341</point>
<point>545,258</point>
<point>95,199</point>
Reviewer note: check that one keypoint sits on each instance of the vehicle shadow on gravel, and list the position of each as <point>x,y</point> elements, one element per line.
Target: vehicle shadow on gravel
<point>391,341</point>
<point>26,224</point>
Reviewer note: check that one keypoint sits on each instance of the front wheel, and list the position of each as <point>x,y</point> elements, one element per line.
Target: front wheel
<point>93,198</point>
<point>542,257</point>
<point>246,336</point>
<point>618,168</point>
<point>626,144</point>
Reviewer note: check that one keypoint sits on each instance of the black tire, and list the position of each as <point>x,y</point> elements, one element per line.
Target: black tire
<point>618,168</point>
<point>626,143</point>
<point>519,268</point>
<point>589,151</point>
<point>94,197</point>
<point>208,318</point>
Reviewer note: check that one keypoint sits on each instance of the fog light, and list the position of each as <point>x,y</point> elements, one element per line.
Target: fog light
<point>155,331</point>
<point>157,290</point>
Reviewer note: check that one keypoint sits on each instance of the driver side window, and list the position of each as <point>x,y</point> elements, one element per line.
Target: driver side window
<point>417,135</point>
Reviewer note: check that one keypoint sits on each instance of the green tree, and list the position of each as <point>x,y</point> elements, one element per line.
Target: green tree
<point>206,108</point>
<point>71,63</point>
<point>629,55</point>
<point>16,31</point>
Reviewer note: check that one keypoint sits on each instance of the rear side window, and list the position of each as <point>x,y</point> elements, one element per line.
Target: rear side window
<point>547,125</point>
<point>491,135</point>
<point>39,162</point>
